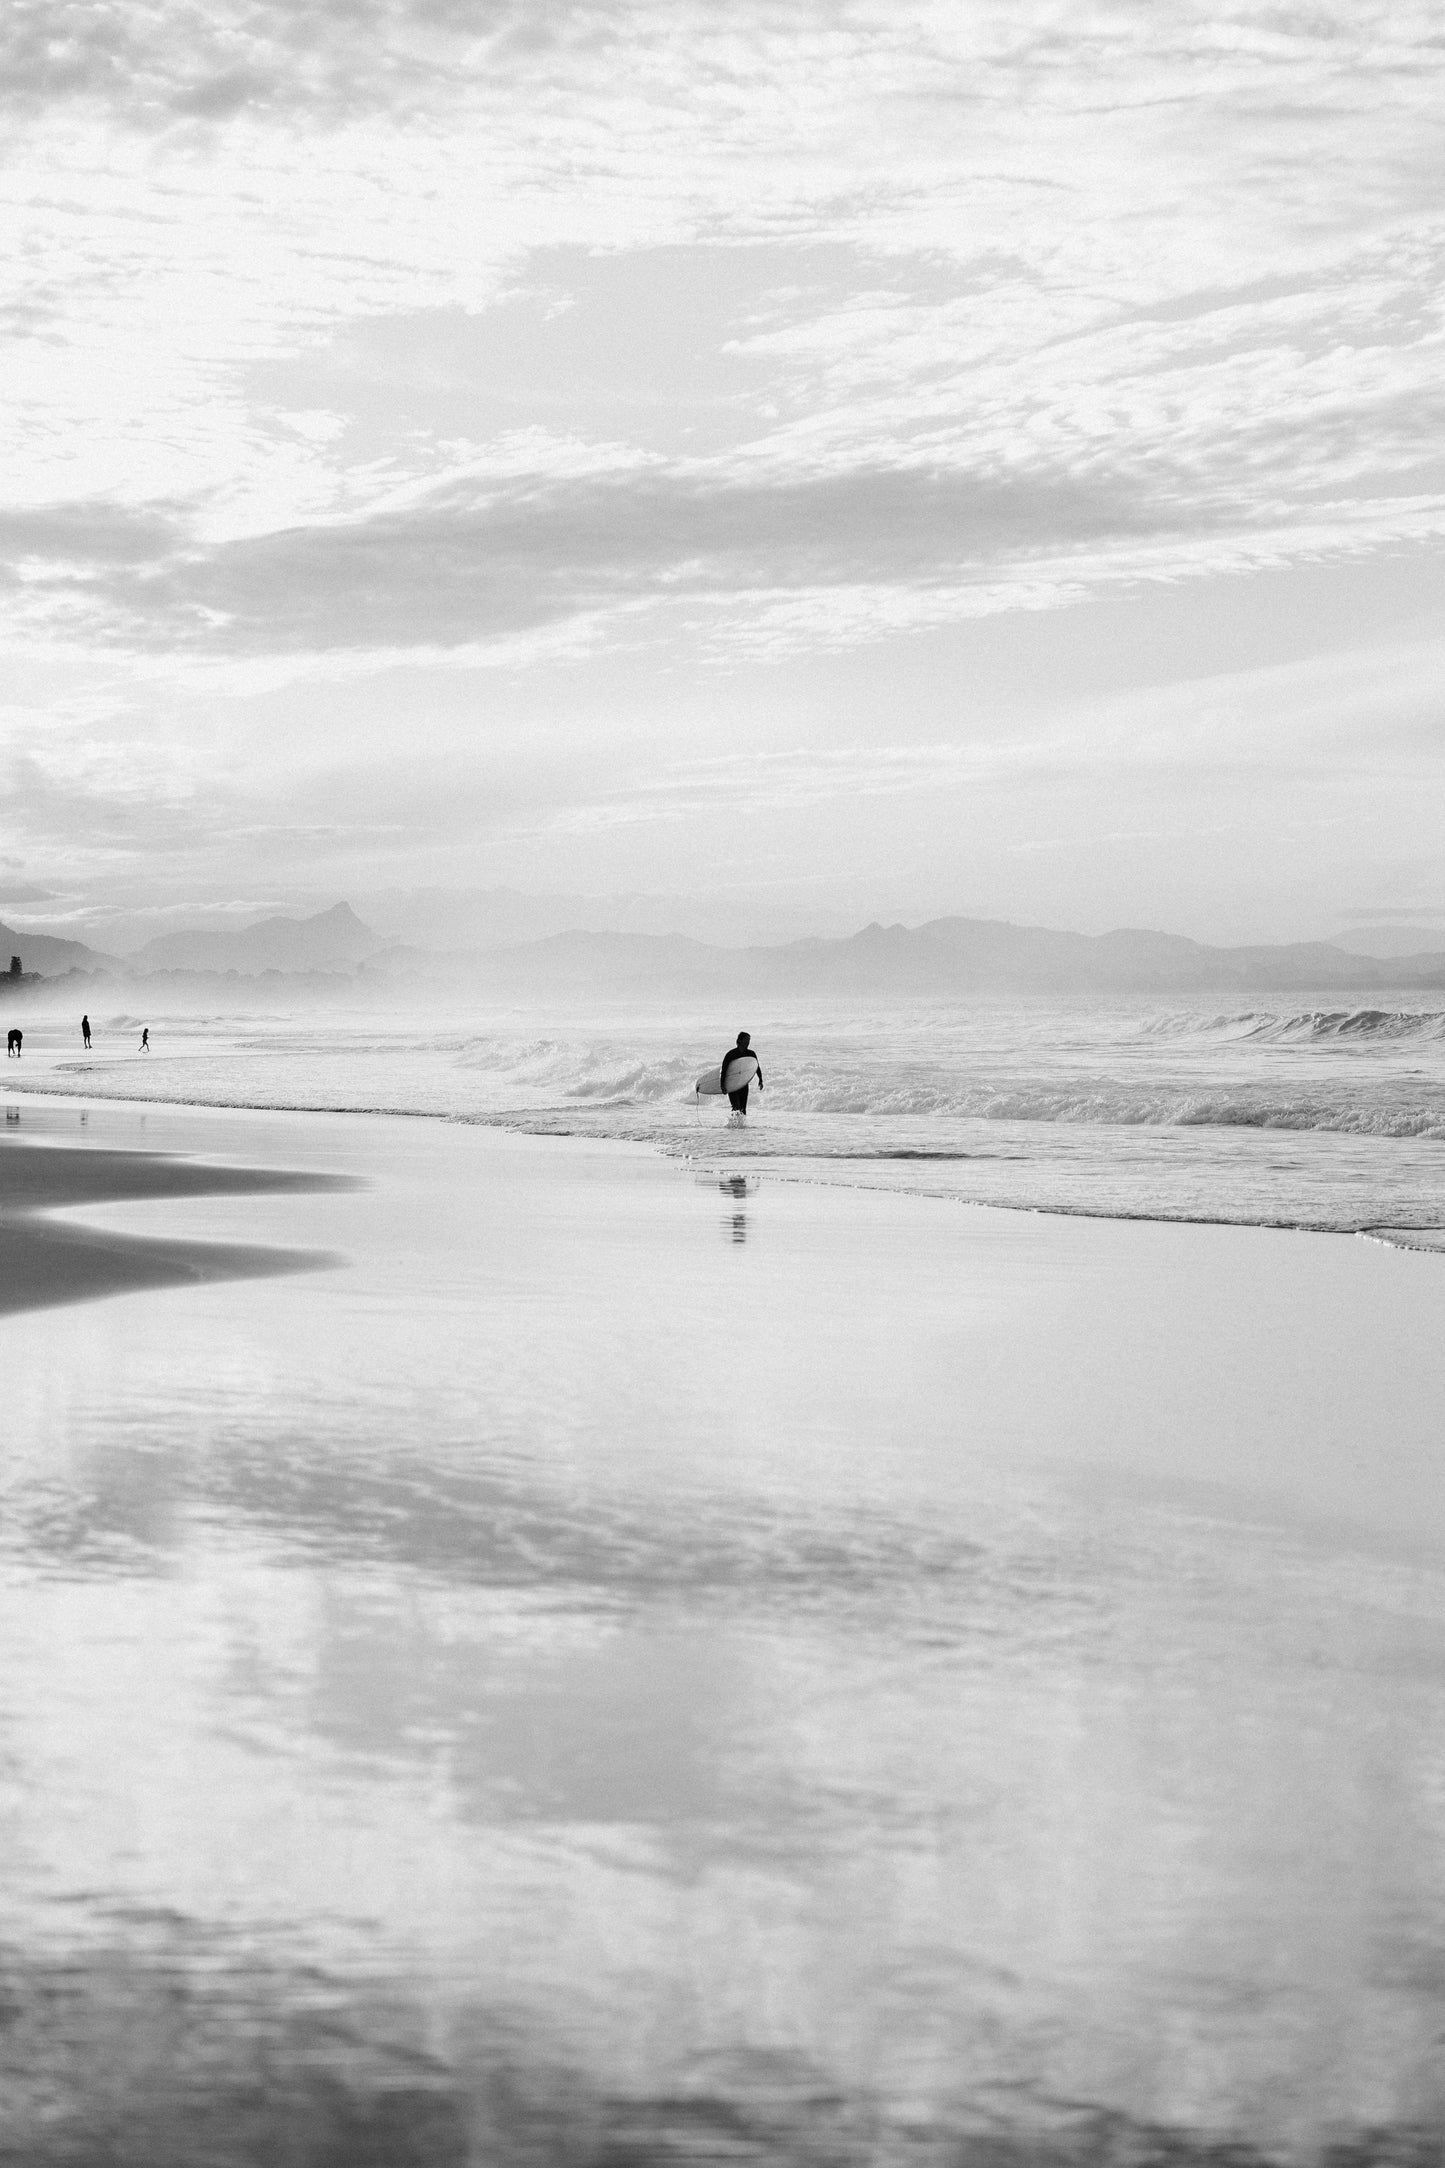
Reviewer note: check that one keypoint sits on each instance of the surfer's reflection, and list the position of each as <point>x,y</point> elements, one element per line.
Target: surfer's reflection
<point>736,1187</point>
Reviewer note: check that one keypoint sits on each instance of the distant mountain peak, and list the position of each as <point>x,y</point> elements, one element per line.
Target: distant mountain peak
<point>333,939</point>
<point>338,914</point>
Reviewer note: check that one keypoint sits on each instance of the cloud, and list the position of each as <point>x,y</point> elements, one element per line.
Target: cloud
<point>347,335</point>
<point>465,564</point>
<point>74,536</point>
<point>1056,222</point>
<point>145,64</point>
<point>796,557</point>
<point>23,892</point>
<point>151,65</point>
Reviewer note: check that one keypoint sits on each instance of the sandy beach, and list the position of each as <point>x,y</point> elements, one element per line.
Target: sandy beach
<point>620,1662</point>
<point>46,1259</point>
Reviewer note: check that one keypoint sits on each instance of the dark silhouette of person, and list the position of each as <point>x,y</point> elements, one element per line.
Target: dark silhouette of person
<point>85,1032</point>
<point>738,1100</point>
<point>145,1040</point>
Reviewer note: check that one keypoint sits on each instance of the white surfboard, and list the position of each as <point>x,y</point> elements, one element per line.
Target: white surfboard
<point>740,1072</point>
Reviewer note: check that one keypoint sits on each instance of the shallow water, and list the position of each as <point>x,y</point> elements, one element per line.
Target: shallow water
<point>643,1665</point>
<point>1329,1115</point>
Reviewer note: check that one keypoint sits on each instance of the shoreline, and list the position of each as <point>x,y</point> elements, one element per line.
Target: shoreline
<point>203,1163</point>
<point>795,1169</point>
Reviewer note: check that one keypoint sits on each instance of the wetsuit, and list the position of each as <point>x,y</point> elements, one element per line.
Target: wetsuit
<point>738,1100</point>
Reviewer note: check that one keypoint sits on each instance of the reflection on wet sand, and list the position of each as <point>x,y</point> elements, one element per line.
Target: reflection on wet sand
<point>195,2054</point>
<point>566,1691</point>
<point>200,2054</point>
<point>739,1189</point>
<point>45,1261</point>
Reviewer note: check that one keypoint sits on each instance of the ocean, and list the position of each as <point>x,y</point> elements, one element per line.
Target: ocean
<point>1327,1115</point>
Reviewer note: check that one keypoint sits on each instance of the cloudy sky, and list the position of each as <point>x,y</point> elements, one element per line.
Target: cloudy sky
<point>856,460</point>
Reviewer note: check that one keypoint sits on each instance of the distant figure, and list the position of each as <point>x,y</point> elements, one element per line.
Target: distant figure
<point>145,1040</point>
<point>85,1032</point>
<point>738,1100</point>
<point>14,1040</point>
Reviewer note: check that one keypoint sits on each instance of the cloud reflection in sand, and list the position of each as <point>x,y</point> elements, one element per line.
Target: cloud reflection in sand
<point>500,1745</point>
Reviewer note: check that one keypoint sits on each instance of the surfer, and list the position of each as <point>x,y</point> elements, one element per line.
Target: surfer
<point>738,1100</point>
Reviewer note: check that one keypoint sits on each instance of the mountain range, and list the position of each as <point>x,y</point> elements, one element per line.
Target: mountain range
<point>947,957</point>
<point>51,956</point>
<point>331,940</point>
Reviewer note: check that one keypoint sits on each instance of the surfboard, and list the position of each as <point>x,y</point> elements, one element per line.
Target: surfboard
<point>740,1072</point>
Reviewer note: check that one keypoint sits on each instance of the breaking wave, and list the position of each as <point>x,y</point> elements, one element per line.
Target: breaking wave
<point>1049,1108</point>
<point>1211,1111</point>
<point>600,1074</point>
<point>1306,1027</point>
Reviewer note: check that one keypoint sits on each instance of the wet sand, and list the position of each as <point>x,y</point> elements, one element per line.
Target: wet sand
<point>45,1260</point>
<point>641,1665</point>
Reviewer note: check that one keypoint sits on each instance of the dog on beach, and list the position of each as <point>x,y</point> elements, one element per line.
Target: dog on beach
<point>13,1043</point>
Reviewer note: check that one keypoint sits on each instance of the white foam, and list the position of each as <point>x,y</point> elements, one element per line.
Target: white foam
<point>1324,1117</point>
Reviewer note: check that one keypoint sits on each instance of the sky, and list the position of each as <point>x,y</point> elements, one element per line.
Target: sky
<point>834,461</point>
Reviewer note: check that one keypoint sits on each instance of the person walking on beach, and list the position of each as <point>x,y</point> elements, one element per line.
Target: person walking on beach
<point>738,1100</point>
<point>145,1040</point>
<point>85,1032</point>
